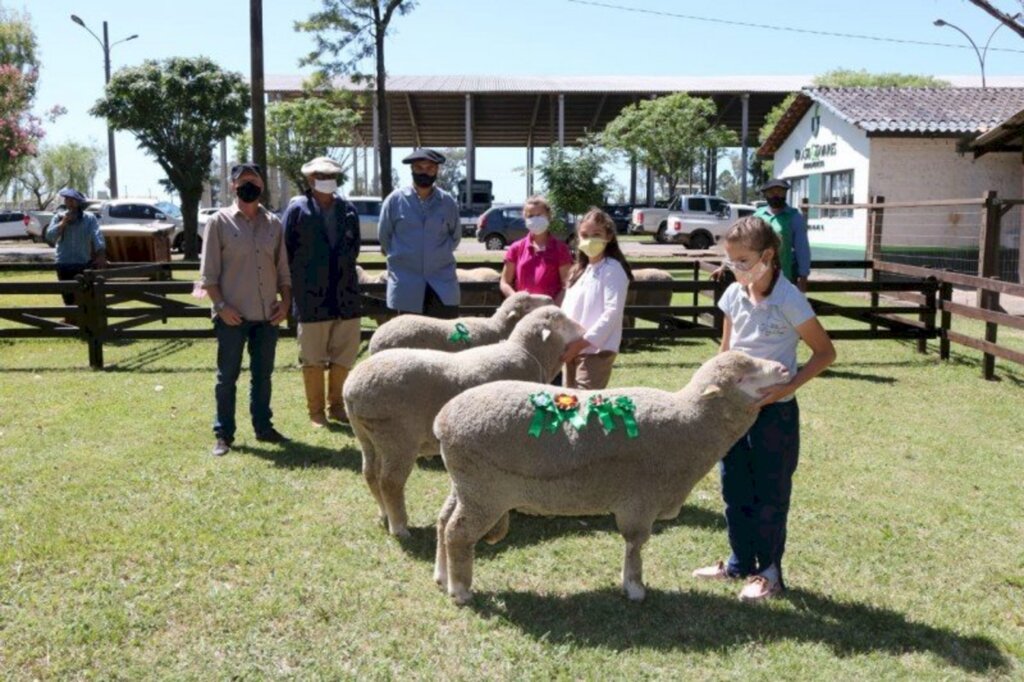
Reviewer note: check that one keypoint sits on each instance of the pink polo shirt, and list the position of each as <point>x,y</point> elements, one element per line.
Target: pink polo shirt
<point>537,270</point>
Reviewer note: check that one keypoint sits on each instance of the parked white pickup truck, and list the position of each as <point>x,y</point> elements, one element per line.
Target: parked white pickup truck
<point>702,233</point>
<point>693,210</point>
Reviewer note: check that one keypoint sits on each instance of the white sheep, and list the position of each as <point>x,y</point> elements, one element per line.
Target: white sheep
<point>496,465</point>
<point>392,397</point>
<point>364,277</point>
<point>419,331</point>
<point>651,297</point>
<point>479,298</point>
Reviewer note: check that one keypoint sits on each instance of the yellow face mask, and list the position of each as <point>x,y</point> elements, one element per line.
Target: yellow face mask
<point>592,247</point>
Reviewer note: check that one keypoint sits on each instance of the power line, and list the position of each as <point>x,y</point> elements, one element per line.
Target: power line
<point>790,29</point>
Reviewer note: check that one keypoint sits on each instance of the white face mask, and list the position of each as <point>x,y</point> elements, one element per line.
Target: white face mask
<point>537,224</point>
<point>325,186</point>
<point>748,277</point>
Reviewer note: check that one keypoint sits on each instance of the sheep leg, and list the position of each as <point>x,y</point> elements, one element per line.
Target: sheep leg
<point>636,534</point>
<point>371,463</point>
<point>466,526</point>
<point>441,556</point>
<point>394,472</point>
<point>498,532</point>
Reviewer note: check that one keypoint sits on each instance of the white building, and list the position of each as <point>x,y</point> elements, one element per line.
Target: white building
<point>845,145</point>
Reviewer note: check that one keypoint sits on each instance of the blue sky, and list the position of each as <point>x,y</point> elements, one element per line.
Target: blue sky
<point>526,37</point>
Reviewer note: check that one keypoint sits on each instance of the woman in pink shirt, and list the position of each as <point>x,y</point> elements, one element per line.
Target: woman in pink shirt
<point>539,262</point>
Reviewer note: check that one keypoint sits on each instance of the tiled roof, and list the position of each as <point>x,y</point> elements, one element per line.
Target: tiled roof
<point>946,112</point>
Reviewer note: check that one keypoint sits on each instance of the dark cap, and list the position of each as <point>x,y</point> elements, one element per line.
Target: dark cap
<point>424,154</point>
<point>241,169</point>
<point>70,193</point>
<point>775,182</point>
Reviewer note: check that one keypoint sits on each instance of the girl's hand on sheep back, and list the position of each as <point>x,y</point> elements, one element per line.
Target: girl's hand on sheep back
<point>574,349</point>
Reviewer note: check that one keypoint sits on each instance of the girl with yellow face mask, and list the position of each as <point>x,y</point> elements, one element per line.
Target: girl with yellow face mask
<point>596,299</point>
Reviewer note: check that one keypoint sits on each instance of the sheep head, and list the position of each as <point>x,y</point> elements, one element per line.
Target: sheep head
<point>736,373</point>
<point>549,325</point>
<point>518,305</point>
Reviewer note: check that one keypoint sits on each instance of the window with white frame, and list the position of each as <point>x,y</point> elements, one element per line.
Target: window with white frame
<point>837,188</point>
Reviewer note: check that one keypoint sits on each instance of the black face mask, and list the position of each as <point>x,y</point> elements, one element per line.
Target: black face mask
<point>776,202</point>
<point>423,180</point>
<point>249,192</point>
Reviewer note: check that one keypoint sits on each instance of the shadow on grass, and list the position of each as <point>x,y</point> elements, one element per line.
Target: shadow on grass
<point>858,376</point>
<point>296,455</point>
<point>699,622</point>
<point>147,356</point>
<point>631,346</point>
<point>526,530</point>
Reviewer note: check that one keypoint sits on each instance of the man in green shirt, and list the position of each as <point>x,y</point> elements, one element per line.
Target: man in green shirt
<point>791,227</point>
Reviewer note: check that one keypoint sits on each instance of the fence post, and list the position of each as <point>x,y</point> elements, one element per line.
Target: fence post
<point>718,315</point>
<point>696,294</point>
<point>989,301</point>
<point>945,319</point>
<point>94,322</point>
<point>988,249</point>
<point>876,215</point>
<point>927,315</point>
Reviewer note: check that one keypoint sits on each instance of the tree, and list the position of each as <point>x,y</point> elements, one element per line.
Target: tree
<point>346,32</point>
<point>1011,20</point>
<point>845,78</point>
<point>20,131</point>
<point>453,170</point>
<point>574,181</point>
<point>303,129</point>
<point>178,109</point>
<point>71,164</point>
<point>669,134</point>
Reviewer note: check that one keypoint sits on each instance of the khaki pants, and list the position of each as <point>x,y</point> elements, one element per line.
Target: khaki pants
<point>331,342</point>
<point>590,372</point>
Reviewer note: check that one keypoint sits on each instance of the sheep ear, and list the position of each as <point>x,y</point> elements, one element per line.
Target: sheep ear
<point>512,314</point>
<point>711,391</point>
<point>545,333</point>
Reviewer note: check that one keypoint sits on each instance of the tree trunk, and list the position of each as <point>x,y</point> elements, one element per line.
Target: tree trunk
<point>383,118</point>
<point>190,216</point>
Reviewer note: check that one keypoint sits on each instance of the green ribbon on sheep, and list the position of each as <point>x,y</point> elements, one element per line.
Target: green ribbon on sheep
<point>621,407</point>
<point>460,335</point>
<point>551,412</point>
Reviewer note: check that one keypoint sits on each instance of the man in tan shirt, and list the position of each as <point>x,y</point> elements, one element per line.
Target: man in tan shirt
<point>244,269</point>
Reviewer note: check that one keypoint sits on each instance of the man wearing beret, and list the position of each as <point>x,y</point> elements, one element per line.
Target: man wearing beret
<point>789,224</point>
<point>244,268</point>
<point>419,231</point>
<point>321,233</point>
<point>77,238</point>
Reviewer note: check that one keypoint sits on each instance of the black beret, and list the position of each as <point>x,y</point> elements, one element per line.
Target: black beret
<point>424,154</point>
<point>775,182</point>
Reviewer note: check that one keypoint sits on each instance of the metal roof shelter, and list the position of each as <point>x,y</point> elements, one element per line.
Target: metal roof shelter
<point>537,111</point>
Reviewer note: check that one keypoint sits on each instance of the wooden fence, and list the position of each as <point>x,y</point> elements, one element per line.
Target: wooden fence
<point>134,302</point>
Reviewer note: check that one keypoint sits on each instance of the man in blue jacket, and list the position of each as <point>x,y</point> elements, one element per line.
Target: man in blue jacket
<point>321,233</point>
<point>419,231</point>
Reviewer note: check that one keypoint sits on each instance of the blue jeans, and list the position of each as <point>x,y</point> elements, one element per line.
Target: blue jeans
<point>261,338</point>
<point>757,481</point>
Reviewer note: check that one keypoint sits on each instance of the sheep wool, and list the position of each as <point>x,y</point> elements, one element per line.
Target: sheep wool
<point>392,397</point>
<point>419,331</point>
<point>639,473</point>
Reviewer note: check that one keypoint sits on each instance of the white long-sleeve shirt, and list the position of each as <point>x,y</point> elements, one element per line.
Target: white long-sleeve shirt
<point>597,301</point>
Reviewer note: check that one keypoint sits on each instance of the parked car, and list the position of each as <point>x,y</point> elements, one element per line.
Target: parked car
<point>468,218</point>
<point>499,226</point>
<point>692,208</point>
<point>369,215</point>
<point>141,212</point>
<point>621,214</point>
<point>18,224</point>
<point>701,233</point>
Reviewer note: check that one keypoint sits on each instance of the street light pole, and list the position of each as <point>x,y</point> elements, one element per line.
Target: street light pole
<point>105,46</point>
<point>981,54</point>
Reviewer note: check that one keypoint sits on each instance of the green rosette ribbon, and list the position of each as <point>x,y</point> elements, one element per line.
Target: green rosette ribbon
<point>550,412</point>
<point>460,335</point>
<point>607,409</point>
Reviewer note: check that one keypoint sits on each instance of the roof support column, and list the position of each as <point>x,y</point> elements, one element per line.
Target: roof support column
<point>632,182</point>
<point>561,120</point>
<point>223,196</point>
<point>650,186</point>
<point>529,171</point>
<point>376,151</point>
<point>355,168</point>
<point>744,149</point>
<point>470,152</point>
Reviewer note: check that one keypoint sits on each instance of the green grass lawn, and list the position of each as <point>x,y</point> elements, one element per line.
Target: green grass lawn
<point>127,552</point>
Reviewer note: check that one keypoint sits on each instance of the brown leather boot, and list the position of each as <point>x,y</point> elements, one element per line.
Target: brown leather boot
<point>313,379</point>
<point>335,404</point>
